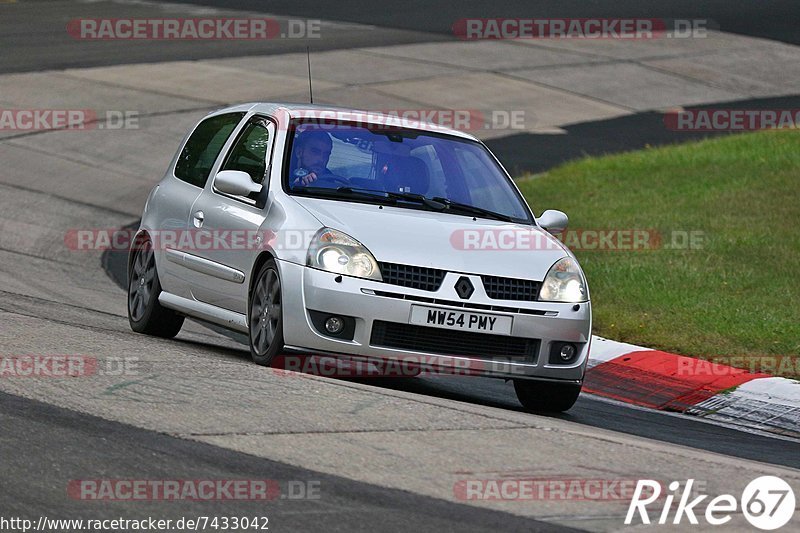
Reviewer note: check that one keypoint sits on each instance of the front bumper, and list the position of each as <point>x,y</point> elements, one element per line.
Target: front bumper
<point>370,301</point>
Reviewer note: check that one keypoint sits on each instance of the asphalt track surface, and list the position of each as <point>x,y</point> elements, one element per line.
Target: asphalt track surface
<point>66,445</point>
<point>35,33</point>
<point>44,446</point>
<point>590,410</point>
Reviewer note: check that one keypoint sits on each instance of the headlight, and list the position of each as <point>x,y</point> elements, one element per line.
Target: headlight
<point>564,283</point>
<point>338,252</point>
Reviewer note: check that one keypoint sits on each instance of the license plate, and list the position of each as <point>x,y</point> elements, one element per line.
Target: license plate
<point>463,320</point>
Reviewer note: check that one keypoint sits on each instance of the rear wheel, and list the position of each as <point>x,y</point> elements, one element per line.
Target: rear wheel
<point>145,314</point>
<point>546,396</point>
<point>266,316</point>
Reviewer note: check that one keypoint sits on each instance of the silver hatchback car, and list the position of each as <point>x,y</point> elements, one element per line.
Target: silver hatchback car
<point>318,230</point>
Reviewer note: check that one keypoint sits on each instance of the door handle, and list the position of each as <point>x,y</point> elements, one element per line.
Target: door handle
<point>198,219</point>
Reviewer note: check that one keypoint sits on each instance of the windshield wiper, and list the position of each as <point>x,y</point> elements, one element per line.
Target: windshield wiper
<point>407,196</point>
<point>473,210</point>
<point>345,192</point>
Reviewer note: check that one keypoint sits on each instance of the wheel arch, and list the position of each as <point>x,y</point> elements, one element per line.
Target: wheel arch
<point>138,240</point>
<point>262,258</point>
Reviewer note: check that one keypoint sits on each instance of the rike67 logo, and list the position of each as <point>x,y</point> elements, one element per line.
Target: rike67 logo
<point>767,503</point>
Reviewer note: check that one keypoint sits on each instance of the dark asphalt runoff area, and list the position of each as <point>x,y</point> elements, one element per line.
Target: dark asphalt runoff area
<point>37,32</point>
<point>36,29</point>
<point>771,19</point>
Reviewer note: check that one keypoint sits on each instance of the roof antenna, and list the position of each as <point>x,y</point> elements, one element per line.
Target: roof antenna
<point>310,91</point>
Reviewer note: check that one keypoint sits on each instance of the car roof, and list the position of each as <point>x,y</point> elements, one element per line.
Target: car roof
<point>298,110</point>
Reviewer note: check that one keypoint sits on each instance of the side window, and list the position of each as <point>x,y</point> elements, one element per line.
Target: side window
<point>203,147</point>
<point>250,153</point>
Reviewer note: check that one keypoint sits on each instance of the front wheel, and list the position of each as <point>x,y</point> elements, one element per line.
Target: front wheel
<point>266,318</point>
<point>546,396</point>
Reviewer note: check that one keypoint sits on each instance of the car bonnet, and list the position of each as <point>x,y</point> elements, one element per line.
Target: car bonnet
<point>441,240</point>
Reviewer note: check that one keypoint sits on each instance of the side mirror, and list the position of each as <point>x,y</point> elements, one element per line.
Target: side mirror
<point>553,221</point>
<point>235,182</point>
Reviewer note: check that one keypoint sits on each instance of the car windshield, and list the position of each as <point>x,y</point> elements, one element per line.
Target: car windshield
<point>403,167</point>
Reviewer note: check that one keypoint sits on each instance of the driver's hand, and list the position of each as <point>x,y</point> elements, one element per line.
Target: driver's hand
<point>311,177</point>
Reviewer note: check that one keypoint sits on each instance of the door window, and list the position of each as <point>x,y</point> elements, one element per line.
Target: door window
<point>203,147</point>
<point>250,152</point>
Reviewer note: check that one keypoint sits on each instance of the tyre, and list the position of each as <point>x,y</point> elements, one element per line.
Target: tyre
<point>145,314</point>
<point>546,396</point>
<point>265,315</point>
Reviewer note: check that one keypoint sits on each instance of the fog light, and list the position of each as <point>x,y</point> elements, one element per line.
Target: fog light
<point>567,352</point>
<point>334,325</point>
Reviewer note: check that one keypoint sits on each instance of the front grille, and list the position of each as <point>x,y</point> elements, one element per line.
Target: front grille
<point>465,305</point>
<point>498,288</point>
<point>413,277</point>
<point>452,342</point>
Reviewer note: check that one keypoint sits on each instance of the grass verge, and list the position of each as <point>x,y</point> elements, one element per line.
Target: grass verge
<point>735,293</point>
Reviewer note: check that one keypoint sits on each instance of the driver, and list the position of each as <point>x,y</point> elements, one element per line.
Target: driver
<point>312,150</point>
